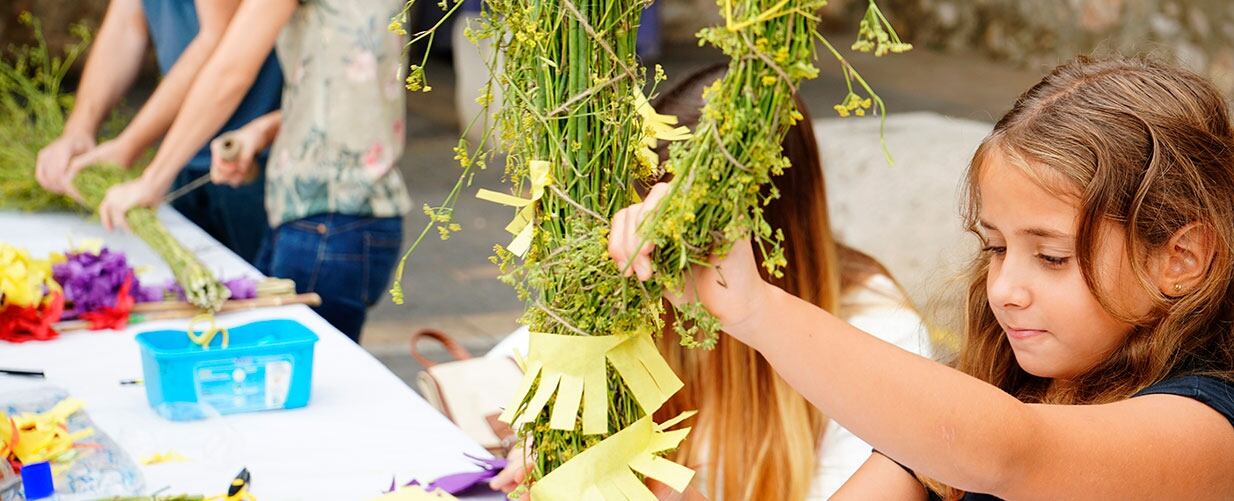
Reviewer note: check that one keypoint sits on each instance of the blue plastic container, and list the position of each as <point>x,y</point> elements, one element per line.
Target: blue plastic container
<point>266,365</point>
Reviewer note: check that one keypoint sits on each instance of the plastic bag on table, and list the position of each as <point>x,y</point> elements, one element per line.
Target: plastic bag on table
<point>101,468</point>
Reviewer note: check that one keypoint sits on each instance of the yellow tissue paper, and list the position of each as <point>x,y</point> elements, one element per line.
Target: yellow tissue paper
<point>574,368</point>
<point>521,226</point>
<point>33,438</point>
<point>606,470</point>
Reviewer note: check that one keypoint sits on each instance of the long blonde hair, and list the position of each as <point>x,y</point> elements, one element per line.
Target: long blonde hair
<point>1143,145</point>
<point>756,437</point>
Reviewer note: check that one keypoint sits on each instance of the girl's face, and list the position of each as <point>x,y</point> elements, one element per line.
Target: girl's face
<point>1054,323</point>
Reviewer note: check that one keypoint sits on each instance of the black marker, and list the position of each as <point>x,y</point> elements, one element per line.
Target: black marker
<point>26,373</point>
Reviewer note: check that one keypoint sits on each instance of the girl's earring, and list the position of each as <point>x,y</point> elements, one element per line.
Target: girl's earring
<point>1178,288</point>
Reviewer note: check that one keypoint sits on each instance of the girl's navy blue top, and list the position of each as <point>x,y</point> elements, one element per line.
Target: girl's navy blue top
<point>1213,392</point>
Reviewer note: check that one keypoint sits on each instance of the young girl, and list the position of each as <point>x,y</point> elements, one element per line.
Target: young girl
<point>755,437</point>
<point>1099,359</point>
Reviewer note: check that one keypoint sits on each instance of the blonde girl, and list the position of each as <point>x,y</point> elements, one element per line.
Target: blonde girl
<point>1099,348</point>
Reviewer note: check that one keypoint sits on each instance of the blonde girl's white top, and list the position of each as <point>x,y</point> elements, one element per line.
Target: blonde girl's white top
<point>877,307</point>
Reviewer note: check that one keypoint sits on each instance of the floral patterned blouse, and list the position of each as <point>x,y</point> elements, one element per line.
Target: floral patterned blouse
<point>344,113</point>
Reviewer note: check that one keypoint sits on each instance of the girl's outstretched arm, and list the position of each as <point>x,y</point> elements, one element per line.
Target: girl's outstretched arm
<point>943,423</point>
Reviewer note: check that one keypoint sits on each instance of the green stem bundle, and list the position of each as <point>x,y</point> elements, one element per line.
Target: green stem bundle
<point>722,176</point>
<point>569,80</point>
<point>33,108</point>
<point>201,288</point>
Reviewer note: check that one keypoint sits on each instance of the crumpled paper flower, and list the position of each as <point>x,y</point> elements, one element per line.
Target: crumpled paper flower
<point>92,281</point>
<point>19,324</point>
<point>240,288</point>
<point>114,317</point>
<point>23,280</point>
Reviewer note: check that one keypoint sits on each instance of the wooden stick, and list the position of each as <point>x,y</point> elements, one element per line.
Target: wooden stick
<point>178,309</point>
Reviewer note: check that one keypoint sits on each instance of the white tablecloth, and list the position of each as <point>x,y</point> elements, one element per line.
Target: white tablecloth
<point>363,426</point>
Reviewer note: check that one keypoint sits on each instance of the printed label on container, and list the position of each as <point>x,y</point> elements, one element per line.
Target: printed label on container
<point>244,384</point>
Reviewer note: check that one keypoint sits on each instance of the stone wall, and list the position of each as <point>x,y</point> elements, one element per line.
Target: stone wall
<point>1037,34</point>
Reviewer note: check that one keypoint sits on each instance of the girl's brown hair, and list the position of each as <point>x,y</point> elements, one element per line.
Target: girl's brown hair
<point>1148,147</point>
<point>757,438</point>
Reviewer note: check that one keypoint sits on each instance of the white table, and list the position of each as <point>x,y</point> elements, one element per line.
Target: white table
<point>362,426</point>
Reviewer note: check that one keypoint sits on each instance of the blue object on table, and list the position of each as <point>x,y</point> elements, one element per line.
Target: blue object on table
<point>266,365</point>
<point>36,481</point>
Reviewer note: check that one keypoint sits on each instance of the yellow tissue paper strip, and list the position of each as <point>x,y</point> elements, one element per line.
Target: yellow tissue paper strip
<point>33,438</point>
<point>574,368</point>
<point>540,173</point>
<point>164,457</point>
<point>606,470</point>
<point>414,493</point>
<point>657,125</point>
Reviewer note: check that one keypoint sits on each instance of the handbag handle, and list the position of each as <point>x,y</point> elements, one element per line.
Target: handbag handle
<point>452,347</point>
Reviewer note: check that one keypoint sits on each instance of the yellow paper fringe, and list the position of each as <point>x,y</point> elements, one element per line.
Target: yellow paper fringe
<point>574,368</point>
<point>606,470</point>
<point>521,226</point>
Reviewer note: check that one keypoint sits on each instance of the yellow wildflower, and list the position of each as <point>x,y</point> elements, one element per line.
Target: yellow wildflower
<point>396,27</point>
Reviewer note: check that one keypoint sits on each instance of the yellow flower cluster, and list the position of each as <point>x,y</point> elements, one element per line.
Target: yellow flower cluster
<point>396,27</point>
<point>415,79</point>
<point>24,280</point>
<point>853,104</point>
<point>875,34</point>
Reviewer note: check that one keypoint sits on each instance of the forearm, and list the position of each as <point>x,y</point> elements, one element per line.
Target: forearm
<point>220,86</point>
<point>880,478</point>
<point>212,100</point>
<point>113,64</point>
<point>909,407</point>
<point>265,128</point>
<point>157,115</point>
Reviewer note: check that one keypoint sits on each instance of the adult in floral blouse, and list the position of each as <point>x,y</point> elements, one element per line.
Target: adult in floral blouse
<point>334,200</point>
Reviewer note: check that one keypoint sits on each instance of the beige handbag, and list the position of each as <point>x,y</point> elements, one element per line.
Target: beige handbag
<point>470,391</point>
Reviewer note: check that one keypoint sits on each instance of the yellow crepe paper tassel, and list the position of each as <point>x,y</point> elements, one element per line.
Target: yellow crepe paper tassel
<point>606,470</point>
<point>574,368</point>
<point>540,173</point>
<point>33,438</point>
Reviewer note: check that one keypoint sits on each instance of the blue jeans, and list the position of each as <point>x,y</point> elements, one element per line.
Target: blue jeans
<point>347,260</point>
<point>236,217</point>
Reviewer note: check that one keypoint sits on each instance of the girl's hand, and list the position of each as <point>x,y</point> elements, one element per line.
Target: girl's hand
<point>514,474</point>
<point>232,158</point>
<point>730,287</point>
<point>115,151</point>
<point>139,192</point>
<point>52,165</point>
